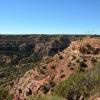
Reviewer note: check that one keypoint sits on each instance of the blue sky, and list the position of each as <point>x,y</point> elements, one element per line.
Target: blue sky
<point>49,16</point>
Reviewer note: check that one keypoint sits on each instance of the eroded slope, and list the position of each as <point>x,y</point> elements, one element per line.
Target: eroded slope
<point>80,55</point>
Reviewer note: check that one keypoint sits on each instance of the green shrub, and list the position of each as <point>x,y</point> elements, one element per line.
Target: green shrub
<point>53,66</point>
<point>83,64</point>
<point>35,57</point>
<point>94,60</point>
<point>45,88</point>
<point>60,57</point>
<point>62,75</point>
<point>4,95</point>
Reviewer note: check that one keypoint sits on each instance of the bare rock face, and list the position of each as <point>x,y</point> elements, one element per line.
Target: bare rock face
<point>28,85</point>
<point>97,98</point>
<point>26,46</point>
<point>87,46</point>
<point>51,48</point>
<point>5,59</point>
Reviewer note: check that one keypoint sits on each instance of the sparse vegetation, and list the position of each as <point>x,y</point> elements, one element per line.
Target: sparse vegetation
<point>48,97</point>
<point>80,84</point>
<point>4,95</point>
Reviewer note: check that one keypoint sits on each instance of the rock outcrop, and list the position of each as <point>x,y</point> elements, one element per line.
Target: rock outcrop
<point>54,69</point>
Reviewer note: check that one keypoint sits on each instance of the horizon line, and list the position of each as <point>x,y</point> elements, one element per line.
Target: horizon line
<point>81,33</point>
